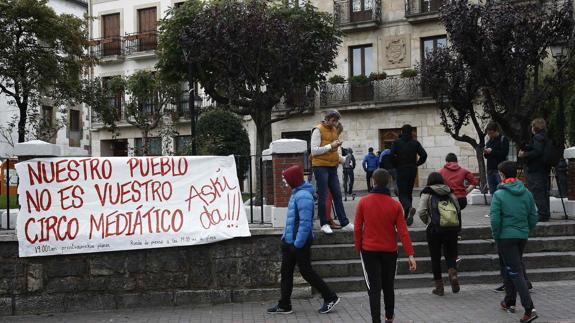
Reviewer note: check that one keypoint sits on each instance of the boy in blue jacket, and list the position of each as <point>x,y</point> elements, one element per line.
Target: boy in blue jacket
<point>296,243</point>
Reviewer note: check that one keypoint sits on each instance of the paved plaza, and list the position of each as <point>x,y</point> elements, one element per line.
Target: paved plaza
<point>477,303</point>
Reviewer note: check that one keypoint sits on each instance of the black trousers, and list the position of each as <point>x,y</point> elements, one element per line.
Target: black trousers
<point>348,178</point>
<point>538,184</point>
<point>441,241</point>
<point>510,260</point>
<point>462,202</point>
<point>368,174</point>
<point>405,181</point>
<point>302,257</point>
<point>379,272</point>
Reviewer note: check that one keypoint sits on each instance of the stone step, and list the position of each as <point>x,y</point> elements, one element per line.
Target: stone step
<point>547,229</point>
<point>466,247</point>
<point>469,263</point>
<point>357,283</point>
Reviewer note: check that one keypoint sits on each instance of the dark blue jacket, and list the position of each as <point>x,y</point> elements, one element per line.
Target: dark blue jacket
<point>370,162</point>
<point>534,154</point>
<point>499,150</point>
<point>299,232</point>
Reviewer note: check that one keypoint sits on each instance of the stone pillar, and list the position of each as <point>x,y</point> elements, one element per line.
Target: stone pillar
<point>569,154</point>
<point>268,173</point>
<point>285,153</point>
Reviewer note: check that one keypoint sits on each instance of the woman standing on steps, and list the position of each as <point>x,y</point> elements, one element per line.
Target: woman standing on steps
<point>439,209</point>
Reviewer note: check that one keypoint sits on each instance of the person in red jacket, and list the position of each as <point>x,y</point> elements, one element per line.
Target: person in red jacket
<point>455,177</point>
<point>377,219</point>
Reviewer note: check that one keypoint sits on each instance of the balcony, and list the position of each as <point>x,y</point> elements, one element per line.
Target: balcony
<point>422,10</point>
<point>357,15</point>
<point>299,101</point>
<point>141,44</point>
<point>107,50</point>
<point>391,91</point>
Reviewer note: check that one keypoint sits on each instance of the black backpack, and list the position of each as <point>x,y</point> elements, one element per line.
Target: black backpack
<point>551,153</point>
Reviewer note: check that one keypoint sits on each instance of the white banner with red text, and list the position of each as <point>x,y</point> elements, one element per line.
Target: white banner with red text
<point>81,205</point>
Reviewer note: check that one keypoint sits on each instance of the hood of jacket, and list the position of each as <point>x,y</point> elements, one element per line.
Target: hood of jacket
<point>386,152</point>
<point>440,189</point>
<point>306,186</point>
<point>293,176</point>
<point>452,166</point>
<point>515,188</point>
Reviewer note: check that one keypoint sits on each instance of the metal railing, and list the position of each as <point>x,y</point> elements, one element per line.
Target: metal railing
<point>141,42</point>
<point>300,100</point>
<point>422,7</point>
<point>355,11</point>
<point>255,197</point>
<point>105,47</point>
<point>390,89</point>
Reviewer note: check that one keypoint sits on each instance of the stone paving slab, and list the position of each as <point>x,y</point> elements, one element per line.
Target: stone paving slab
<point>477,303</point>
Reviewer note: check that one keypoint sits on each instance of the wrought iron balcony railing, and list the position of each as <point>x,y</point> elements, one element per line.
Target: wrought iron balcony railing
<point>141,42</point>
<point>414,8</point>
<point>106,47</point>
<point>390,89</point>
<point>350,14</point>
<point>300,100</point>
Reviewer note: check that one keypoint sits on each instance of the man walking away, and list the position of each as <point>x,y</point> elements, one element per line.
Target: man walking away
<point>537,173</point>
<point>296,244</point>
<point>495,152</point>
<point>370,164</point>
<point>348,167</point>
<point>378,221</point>
<point>456,177</point>
<point>386,162</point>
<point>513,215</point>
<point>407,154</point>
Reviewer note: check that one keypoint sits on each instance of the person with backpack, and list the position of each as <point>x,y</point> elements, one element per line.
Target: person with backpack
<point>495,151</point>
<point>456,177</point>
<point>348,168</point>
<point>513,215</point>
<point>296,244</point>
<point>439,209</point>
<point>538,157</point>
<point>386,162</point>
<point>370,163</point>
<point>408,154</point>
<point>378,221</point>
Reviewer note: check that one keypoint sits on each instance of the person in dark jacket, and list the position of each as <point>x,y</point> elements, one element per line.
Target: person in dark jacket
<point>513,216</point>
<point>378,221</point>
<point>348,167</point>
<point>370,163</point>
<point>407,154</point>
<point>438,238</point>
<point>495,152</point>
<point>296,244</point>
<point>537,173</point>
<point>386,162</point>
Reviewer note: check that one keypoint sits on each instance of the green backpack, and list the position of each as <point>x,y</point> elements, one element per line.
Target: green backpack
<point>443,213</point>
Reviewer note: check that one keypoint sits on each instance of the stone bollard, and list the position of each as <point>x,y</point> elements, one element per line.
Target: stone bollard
<point>285,153</point>
<point>569,154</point>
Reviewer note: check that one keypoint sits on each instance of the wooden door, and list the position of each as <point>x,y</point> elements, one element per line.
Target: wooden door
<point>147,28</point>
<point>111,32</point>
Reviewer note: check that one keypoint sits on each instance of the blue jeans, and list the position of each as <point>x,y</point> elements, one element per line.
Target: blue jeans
<point>493,180</point>
<point>326,178</point>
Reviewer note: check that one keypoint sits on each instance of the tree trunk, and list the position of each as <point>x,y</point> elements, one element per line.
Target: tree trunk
<point>22,123</point>
<point>482,169</point>
<point>262,118</point>
<point>145,143</point>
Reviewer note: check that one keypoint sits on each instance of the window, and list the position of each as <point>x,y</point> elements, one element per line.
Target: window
<point>147,29</point>
<point>116,98</point>
<point>428,45</point>
<point>183,145</point>
<point>154,146</point>
<point>361,10</point>
<point>47,116</point>
<point>74,120</point>
<point>361,61</point>
<point>111,34</point>
<point>178,4</point>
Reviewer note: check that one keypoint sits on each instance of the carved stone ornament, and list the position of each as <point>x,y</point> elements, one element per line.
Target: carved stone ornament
<point>396,51</point>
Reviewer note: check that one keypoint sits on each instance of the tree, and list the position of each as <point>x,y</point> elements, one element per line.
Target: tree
<point>503,44</point>
<point>455,88</point>
<point>42,56</point>
<point>249,54</point>
<point>222,133</point>
<point>37,127</point>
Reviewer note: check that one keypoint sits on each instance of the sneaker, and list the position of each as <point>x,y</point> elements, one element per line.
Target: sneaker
<point>458,260</point>
<point>529,285</point>
<point>389,320</point>
<point>499,289</point>
<point>326,229</point>
<point>348,227</point>
<point>328,307</point>
<point>410,214</point>
<point>333,225</point>
<point>507,308</point>
<point>529,317</point>
<point>279,310</point>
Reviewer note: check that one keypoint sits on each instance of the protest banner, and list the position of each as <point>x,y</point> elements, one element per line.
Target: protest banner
<point>82,205</point>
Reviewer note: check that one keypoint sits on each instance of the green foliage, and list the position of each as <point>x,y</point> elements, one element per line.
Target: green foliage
<point>221,133</point>
<point>408,72</point>
<point>359,80</point>
<point>336,79</point>
<point>13,202</point>
<point>377,76</point>
<point>248,54</point>
<point>571,122</point>
<point>42,55</point>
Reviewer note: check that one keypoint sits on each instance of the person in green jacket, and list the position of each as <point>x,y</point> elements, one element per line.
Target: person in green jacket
<point>513,215</point>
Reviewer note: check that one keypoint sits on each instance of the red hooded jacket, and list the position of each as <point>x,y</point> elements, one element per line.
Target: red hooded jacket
<point>455,176</point>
